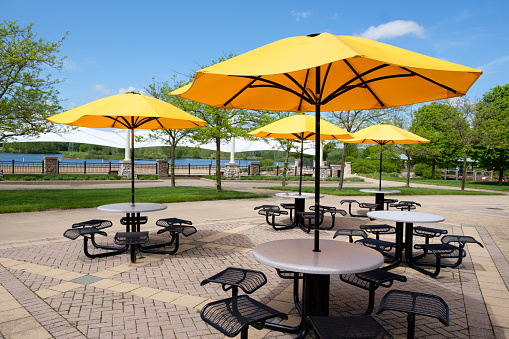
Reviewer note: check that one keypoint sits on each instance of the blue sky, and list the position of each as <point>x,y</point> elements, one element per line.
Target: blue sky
<point>114,46</point>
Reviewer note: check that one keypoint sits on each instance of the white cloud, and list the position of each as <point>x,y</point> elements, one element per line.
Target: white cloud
<point>300,15</point>
<point>494,64</point>
<point>100,88</point>
<point>394,29</point>
<point>71,66</point>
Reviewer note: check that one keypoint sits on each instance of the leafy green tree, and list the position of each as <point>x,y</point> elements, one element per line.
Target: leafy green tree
<point>27,92</point>
<point>492,123</point>
<point>433,122</point>
<point>161,91</point>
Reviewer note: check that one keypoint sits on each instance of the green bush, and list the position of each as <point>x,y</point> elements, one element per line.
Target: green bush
<point>364,166</point>
<point>424,171</point>
<point>267,163</point>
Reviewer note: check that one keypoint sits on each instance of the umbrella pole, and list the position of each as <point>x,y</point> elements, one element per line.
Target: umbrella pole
<point>301,164</point>
<point>132,167</point>
<point>317,161</point>
<point>380,170</point>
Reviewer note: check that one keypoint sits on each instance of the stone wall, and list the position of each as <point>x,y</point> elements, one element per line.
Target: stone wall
<point>124,169</point>
<point>232,170</point>
<point>254,168</point>
<point>51,165</point>
<point>163,168</point>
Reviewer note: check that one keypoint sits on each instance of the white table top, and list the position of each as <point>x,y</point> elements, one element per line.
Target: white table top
<point>372,190</point>
<point>129,208</point>
<point>296,195</point>
<point>335,257</point>
<point>405,216</point>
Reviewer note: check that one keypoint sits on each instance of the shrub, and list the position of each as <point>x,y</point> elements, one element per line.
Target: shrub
<point>364,166</point>
<point>424,171</point>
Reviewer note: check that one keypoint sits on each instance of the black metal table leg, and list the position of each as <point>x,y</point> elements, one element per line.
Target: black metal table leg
<point>379,201</point>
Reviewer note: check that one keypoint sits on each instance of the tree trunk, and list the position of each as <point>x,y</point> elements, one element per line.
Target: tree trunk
<point>433,164</point>
<point>285,165</point>
<point>464,172</point>
<point>218,165</point>
<point>408,169</point>
<point>172,163</point>
<point>342,172</point>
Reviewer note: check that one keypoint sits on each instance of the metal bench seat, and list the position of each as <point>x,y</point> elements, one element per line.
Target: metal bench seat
<point>308,222</point>
<point>366,205</point>
<point>232,278</point>
<point>382,246</point>
<point>370,281</point>
<point>328,209</point>
<point>175,227</point>
<point>271,212</point>
<point>88,233</point>
<point>95,223</point>
<point>348,327</point>
<point>406,205</point>
<point>289,207</point>
<point>233,315</point>
<point>378,229</point>
<point>350,233</point>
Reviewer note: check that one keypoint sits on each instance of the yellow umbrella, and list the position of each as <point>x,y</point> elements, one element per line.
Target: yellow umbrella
<point>325,72</point>
<point>128,111</point>
<point>385,134</point>
<point>301,127</point>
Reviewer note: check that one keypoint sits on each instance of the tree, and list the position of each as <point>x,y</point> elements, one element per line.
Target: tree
<point>492,122</point>
<point>162,91</point>
<point>432,122</point>
<point>27,93</point>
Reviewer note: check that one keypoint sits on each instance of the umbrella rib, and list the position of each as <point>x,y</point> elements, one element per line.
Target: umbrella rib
<point>346,86</point>
<point>430,80</point>
<point>309,135</point>
<point>364,83</point>
<point>116,119</point>
<point>305,93</point>
<point>305,83</point>
<point>324,81</point>
<point>242,90</point>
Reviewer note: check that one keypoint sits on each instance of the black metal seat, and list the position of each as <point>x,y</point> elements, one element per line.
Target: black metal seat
<point>378,229</point>
<point>233,278</point>
<point>131,239</point>
<point>370,281</point>
<point>95,223</point>
<point>445,250</point>
<point>428,233</point>
<point>233,315</point>
<point>89,233</point>
<point>406,205</point>
<point>273,211</point>
<point>328,209</point>
<point>295,276</point>
<point>363,326</point>
<point>350,233</point>
<point>415,303</point>
<point>382,246</point>
<point>366,205</point>
<point>307,220</point>
<point>388,202</point>
<point>175,227</point>
<point>289,207</point>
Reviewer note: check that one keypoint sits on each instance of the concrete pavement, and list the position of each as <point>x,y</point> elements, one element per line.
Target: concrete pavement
<point>50,289</point>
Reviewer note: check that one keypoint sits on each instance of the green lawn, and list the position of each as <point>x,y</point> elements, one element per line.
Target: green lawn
<point>483,185</point>
<point>350,191</point>
<point>39,200</point>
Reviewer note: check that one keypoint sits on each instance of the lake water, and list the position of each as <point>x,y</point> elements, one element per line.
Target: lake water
<point>178,162</point>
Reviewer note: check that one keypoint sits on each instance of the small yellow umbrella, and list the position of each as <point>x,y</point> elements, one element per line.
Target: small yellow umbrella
<point>301,127</point>
<point>384,134</point>
<point>325,72</point>
<point>129,111</point>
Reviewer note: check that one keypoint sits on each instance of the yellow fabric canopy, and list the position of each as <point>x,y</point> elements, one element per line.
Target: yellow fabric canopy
<point>355,73</point>
<point>302,127</point>
<point>385,134</point>
<point>130,111</point>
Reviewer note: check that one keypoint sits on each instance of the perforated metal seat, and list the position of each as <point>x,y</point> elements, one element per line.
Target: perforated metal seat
<point>378,229</point>
<point>348,327</point>
<point>95,223</point>
<point>415,303</point>
<point>234,315</point>
<point>175,227</point>
<point>272,211</point>
<point>350,233</point>
<point>370,281</point>
<point>328,209</point>
<point>89,233</point>
<point>233,278</point>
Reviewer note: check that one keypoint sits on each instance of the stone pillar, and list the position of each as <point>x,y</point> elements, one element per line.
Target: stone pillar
<point>347,169</point>
<point>124,169</point>
<point>232,170</point>
<point>163,168</point>
<point>336,170</point>
<point>324,172</point>
<point>254,168</point>
<point>51,165</point>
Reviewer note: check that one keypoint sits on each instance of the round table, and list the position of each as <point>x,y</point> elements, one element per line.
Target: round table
<point>379,196</point>
<point>408,218</point>
<point>335,257</point>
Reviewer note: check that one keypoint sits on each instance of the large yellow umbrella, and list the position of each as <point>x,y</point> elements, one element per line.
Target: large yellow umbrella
<point>301,127</point>
<point>129,111</point>
<point>325,72</point>
<point>384,134</point>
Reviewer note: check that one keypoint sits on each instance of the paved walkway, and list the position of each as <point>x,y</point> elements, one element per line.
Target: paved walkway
<point>48,288</point>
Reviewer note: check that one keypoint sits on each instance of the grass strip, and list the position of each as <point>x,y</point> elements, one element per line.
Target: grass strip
<point>12,201</point>
<point>354,191</point>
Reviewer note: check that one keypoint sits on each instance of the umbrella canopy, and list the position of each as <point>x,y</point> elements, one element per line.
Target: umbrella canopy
<point>325,72</point>
<point>384,134</point>
<point>130,111</point>
<point>301,127</point>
